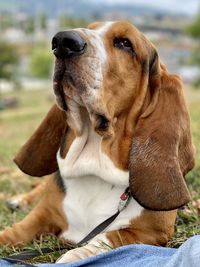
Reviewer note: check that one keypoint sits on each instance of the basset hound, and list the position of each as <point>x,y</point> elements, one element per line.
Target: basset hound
<point>120,120</point>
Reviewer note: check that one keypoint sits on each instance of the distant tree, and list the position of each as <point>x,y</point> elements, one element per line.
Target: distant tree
<point>6,21</point>
<point>71,22</point>
<point>9,58</point>
<point>41,62</point>
<point>43,21</point>
<point>194,31</point>
<point>29,25</point>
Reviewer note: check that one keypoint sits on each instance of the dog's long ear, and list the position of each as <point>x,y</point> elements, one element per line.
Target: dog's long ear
<point>38,155</point>
<point>162,151</point>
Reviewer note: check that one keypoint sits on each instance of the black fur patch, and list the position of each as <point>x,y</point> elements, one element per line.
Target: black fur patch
<point>152,62</point>
<point>103,123</point>
<point>59,181</point>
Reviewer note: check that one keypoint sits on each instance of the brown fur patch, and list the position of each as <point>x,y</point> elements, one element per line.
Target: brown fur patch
<point>153,228</point>
<point>38,156</point>
<point>46,217</point>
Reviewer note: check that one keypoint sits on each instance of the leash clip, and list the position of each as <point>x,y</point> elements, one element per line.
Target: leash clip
<point>124,200</point>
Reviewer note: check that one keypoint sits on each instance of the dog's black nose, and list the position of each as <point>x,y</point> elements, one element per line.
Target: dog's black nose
<point>68,43</point>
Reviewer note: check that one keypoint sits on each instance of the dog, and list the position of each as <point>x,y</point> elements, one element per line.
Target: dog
<point>120,120</point>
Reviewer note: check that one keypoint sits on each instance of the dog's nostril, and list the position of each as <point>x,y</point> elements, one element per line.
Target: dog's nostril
<point>70,44</point>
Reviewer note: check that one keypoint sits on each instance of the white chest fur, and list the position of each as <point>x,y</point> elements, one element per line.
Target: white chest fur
<point>94,186</point>
<point>85,158</point>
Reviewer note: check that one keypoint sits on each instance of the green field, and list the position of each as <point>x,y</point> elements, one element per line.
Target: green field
<point>16,125</point>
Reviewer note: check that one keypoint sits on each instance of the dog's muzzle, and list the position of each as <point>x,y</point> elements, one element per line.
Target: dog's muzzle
<point>65,45</point>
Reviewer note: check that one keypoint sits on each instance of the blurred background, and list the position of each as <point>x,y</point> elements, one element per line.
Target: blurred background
<point>26,66</point>
<point>27,28</point>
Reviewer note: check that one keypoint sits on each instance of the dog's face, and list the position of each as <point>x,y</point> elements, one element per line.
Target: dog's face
<point>100,68</point>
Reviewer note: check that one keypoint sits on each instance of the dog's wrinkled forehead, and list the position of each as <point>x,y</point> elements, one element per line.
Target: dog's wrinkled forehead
<point>98,28</point>
<point>94,37</point>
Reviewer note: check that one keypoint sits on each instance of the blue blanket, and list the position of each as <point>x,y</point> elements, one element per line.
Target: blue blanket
<point>187,255</point>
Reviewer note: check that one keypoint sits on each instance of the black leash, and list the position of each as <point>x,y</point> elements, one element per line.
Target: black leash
<point>18,261</point>
<point>26,255</point>
<point>29,254</point>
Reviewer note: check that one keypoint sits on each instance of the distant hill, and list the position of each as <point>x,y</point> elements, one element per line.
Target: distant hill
<point>79,8</point>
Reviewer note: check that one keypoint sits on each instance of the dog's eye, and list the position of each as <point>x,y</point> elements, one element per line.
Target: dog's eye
<point>123,43</point>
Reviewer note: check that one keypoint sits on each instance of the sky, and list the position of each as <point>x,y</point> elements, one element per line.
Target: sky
<point>185,6</point>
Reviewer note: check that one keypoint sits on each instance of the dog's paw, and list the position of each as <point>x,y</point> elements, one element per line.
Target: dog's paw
<point>16,202</point>
<point>95,247</point>
<point>70,256</point>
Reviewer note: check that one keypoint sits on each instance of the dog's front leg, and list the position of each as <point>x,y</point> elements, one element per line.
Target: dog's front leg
<point>138,233</point>
<point>22,200</point>
<point>46,217</point>
<point>96,246</point>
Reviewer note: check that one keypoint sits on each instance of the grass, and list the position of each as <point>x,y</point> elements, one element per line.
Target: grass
<point>18,124</point>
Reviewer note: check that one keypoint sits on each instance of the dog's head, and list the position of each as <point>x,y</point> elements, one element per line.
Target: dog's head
<point>104,68</point>
<point>112,70</point>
